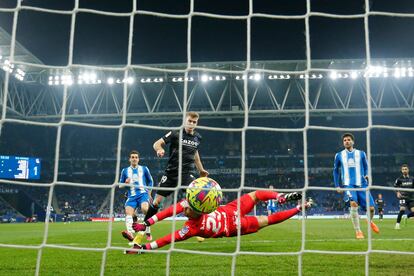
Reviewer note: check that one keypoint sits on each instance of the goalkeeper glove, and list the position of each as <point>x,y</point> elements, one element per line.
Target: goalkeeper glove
<point>283,198</point>
<point>139,226</point>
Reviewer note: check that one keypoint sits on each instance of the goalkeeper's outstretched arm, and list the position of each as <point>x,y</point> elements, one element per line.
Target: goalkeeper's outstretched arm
<point>179,208</point>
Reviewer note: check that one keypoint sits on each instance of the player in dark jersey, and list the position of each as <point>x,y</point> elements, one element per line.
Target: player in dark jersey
<point>380,204</point>
<point>406,198</point>
<point>67,210</point>
<point>190,157</point>
<point>221,223</point>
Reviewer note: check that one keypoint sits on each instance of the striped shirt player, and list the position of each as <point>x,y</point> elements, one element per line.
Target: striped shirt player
<point>221,223</point>
<point>351,171</point>
<point>138,196</point>
<point>271,206</point>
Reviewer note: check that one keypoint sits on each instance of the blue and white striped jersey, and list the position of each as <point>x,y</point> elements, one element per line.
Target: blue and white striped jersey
<point>353,166</point>
<point>271,204</point>
<point>140,178</point>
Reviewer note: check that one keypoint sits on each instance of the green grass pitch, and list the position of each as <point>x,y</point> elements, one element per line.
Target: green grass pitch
<point>335,235</point>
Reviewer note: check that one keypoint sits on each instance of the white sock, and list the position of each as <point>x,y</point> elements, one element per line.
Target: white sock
<point>148,230</point>
<point>355,217</point>
<point>128,222</point>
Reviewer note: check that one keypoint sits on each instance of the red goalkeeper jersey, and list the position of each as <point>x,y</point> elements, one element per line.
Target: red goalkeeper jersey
<point>220,223</point>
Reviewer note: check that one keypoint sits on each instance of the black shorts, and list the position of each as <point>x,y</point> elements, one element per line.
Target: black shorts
<point>380,209</point>
<point>406,203</point>
<point>171,181</point>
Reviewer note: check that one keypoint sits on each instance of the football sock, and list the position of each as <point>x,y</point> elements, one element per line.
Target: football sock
<point>128,222</point>
<point>400,214</point>
<point>410,215</point>
<point>281,216</point>
<point>355,218</point>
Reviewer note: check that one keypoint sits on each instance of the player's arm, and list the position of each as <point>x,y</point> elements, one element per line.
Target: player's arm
<point>365,165</point>
<point>336,170</point>
<point>397,183</point>
<point>158,146</point>
<point>149,180</point>
<point>199,165</point>
<point>166,213</point>
<point>179,235</point>
<point>123,179</point>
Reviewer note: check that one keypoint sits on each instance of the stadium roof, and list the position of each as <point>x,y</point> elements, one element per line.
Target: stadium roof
<point>156,91</point>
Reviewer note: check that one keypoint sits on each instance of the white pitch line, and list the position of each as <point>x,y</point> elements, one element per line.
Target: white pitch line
<point>220,241</point>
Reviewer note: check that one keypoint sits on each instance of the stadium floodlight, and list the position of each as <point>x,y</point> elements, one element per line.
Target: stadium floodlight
<point>50,82</point>
<point>257,77</point>
<point>354,75</point>
<point>19,77</point>
<point>110,81</point>
<point>397,73</point>
<point>204,78</point>
<point>333,75</point>
<point>20,72</point>
<point>130,80</point>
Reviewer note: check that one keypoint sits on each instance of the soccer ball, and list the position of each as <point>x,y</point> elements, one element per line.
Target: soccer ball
<point>204,195</point>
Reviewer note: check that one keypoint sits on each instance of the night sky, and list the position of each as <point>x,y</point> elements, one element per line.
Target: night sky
<point>101,39</point>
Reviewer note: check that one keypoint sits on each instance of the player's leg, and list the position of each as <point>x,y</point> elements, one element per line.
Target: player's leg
<point>159,196</point>
<point>274,218</point>
<point>362,200</point>
<point>410,215</point>
<point>144,208</point>
<point>410,205</point>
<point>351,197</point>
<point>130,206</point>
<point>400,214</point>
<point>265,195</point>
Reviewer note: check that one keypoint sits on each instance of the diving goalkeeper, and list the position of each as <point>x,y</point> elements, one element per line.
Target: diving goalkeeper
<point>223,222</point>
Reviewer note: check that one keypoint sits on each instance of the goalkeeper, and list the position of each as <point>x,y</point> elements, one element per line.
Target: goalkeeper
<point>222,222</point>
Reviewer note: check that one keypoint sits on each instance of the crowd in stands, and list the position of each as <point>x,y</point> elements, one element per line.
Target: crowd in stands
<point>90,157</point>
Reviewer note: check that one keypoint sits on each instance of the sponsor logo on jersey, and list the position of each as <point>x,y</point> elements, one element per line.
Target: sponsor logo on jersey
<point>351,162</point>
<point>190,143</point>
<point>183,231</point>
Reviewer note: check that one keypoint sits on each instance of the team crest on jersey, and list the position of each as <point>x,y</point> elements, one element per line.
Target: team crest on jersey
<point>183,231</point>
